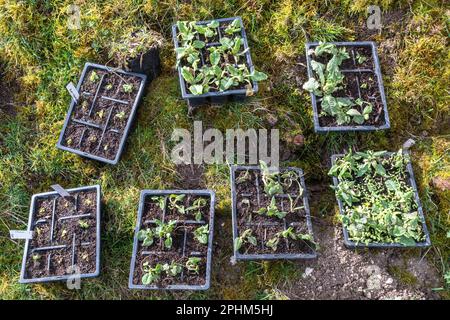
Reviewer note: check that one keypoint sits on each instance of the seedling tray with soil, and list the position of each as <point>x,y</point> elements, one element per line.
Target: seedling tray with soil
<point>214,62</point>
<point>173,239</point>
<point>98,124</point>
<point>271,216</point>
<point>346,87</point>
<point>378,200</point>
<point>65,236</point>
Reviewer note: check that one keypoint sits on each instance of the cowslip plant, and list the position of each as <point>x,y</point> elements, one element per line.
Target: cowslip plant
<point>196,208</point>
<point>245,237</point>
<point>160,200</point>
<point>146,236</point>
<point>222,68</point>
<point>151,274</point>
<point>164,231</point>
<point>201,234</point>
<point>378,203</point>
<point>173,269</point>
<point>288,233</point>
<point>193,264</point>
<point>272,210</point>
<point>330,80</point>
<point>270,180</point>
<point>175,202</point>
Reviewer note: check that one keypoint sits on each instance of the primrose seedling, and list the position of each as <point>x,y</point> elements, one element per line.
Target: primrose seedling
<point>173,269</point>
<point>272,210</point>
<point>360,58</point>
<point>109,86</point>
<point>94,77</point>
<point>201,234</point>
<point>161,201</point>
<point>245,237</point>
<point>270,180</point>
<point>151,274</point>
<point>243,177</point>
<point>164,231</point>
<point>287,234</point>
<point>175,201</point>
<point>127,88</point>
<point>120,115</point>
<point>146,236</point>
<point>196,208</point>
<point>83,224</point>
<point>193,264</point>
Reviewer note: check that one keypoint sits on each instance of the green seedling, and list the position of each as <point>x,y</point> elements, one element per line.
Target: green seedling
<point>94,77</point>
<point>193,264</point>
<point>201,234</point>
<point>173,269</point>
<point>151,274</point>
<point>146,236</point>
<point>161,201</point>
<point>83,224</point>
<point>164,231</point>
<point>245,237</point>
<point>109,86</point>
<point>360,58</point>
<point>127,88</point>
<point>175,202</point>
<point>270,180</point>
<point>196,208</point>
<point>272,210</point>
<point>289,233</point>
<point>120,115</point>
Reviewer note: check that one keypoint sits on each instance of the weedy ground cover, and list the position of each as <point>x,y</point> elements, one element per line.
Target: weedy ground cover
<point>346,86</point>
<point>213,59</point>
<point>137,51</point>
<point>66,233</point>
<point>97,125</point>
<point>173,240</point>
<point>378,200</point>
<point>271,218</point>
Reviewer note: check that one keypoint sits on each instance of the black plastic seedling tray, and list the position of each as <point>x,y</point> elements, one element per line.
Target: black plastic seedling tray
<point>215,97</point>
<point>106,128</point>
<point>150,193</point>
<point>275,256</point>
<point>52,248</point>
<point>357,72</point>
<point>354,245</point>
<point>149,64</point>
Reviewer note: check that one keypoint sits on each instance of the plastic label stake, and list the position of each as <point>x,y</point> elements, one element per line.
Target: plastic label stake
<point>73,91</point>
<point>21,234</point>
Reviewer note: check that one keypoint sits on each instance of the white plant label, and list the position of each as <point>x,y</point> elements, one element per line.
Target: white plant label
<point>21,234</point>
<point>73,91</point>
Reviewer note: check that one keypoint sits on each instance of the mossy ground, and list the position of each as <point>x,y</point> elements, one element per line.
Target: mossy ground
<point>39,52</point>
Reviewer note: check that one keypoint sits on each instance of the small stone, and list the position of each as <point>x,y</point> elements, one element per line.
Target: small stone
<point>307,273</point>
<point>299,140</point>
<point>389,281</point>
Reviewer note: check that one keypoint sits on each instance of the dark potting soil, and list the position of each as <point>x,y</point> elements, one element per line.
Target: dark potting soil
<point>97,123</point>
<point>183,243</point>
<point>357,84</point>
<point>250,197</point>
<point>66,235</point>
